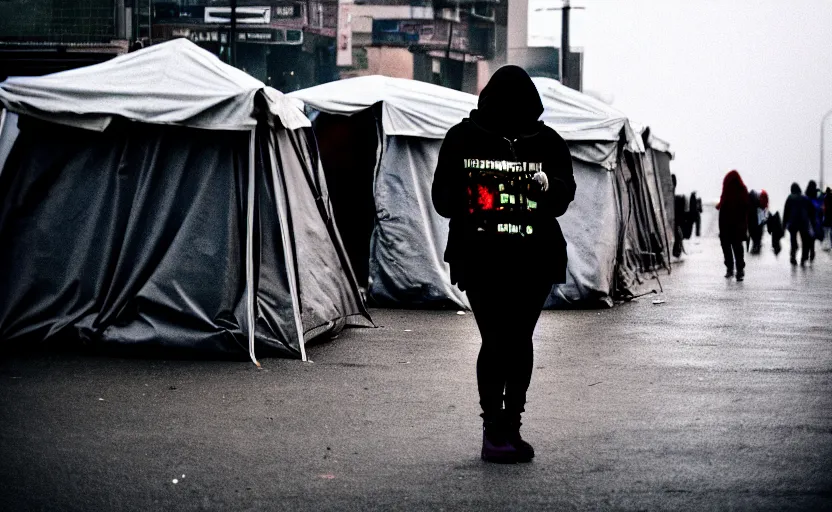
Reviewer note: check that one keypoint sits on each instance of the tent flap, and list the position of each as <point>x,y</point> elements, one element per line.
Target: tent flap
<point>408,242</point>
<point>118,237</point>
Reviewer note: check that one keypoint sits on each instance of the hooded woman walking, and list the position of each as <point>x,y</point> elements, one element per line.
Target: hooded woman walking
<point>814,209</point>
<point>733,223</point>
<point>503,178</point>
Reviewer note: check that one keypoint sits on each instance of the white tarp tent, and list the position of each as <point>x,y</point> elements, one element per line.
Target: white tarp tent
<point>179,201</point>
<point>188,86</point>
<point>406,264</point>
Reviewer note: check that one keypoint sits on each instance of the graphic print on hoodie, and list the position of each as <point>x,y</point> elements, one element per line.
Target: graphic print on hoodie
<point>500,195</point>
<point>484,182</point>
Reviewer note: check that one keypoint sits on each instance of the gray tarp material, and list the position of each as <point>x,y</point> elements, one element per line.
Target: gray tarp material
<point>409,108</point>
<point>660,156</point>
<point>408,243</point>
<point>591,227</point>
<point>8,134</point>
<point>578,117</point>
<point>147,236</point>
<point>636,255</point>
<point>406,266</point>
<point>326,285</point>
<point>659,182</point>
<point>188,86</point>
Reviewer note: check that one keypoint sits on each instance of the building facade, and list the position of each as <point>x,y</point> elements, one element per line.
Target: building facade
<point>289,45</point>
<point>443,42</point>
<point>536,52</point>
<point>45,36</point>
<point>456,43</point>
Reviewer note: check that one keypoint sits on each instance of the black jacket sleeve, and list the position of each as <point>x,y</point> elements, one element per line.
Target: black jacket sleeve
<point>448,190</point>
<point>561,177</point>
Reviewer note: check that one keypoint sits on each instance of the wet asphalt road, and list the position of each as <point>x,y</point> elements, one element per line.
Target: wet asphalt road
<point>718,399</point>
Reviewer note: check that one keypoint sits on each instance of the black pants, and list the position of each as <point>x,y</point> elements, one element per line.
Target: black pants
<point>506,311</point>
<point>756,235</point>
<point>733,251</point>
<point>678,236</point>
<point>807,245</point>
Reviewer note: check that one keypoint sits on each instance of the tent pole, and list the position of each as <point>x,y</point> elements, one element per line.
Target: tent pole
<point>250,293</point>
<point>289,257</point>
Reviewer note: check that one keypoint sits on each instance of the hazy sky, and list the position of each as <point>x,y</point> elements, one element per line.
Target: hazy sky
<point>731,84</point>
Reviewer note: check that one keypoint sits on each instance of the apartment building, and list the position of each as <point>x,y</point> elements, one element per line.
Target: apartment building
<point>443,42</point>
<point>289,45</point>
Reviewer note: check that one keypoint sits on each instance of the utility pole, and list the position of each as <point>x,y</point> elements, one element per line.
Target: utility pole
<point>232,35</point>
<point>823,147</point>
<point>135,21</point>
<point>564,44</point>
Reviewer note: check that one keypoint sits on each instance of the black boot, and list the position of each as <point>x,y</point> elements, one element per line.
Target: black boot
<point>525,451</point>
<point>495,445</point>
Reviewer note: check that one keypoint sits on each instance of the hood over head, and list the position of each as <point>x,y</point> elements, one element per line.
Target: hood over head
<point>795,188</point>
<point>763,199</point>
<point>732,180</point>
<point>812,189</point>
<point>509,105</point>
<point>733,189</point>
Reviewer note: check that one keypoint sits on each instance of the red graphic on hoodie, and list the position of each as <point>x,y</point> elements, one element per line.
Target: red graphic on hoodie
<point>483,196</point>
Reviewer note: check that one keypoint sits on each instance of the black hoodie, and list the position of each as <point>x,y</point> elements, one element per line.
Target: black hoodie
<point>504,130</point>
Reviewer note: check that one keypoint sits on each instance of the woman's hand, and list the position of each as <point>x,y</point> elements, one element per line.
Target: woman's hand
<point>541,178</point>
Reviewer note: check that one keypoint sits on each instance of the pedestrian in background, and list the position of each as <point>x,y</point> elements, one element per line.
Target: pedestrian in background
<point>733,223</point>
<point>796,222</point>
<point>503,178</point>
<point>679,220</point>
<point>757,219</point>
<point>696,213</point>
<point>827,219</point>
<point>774,225</point>
<point>755,231</point>
<point>814,208</point>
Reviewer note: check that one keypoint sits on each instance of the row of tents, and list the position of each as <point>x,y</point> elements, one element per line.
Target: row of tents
<point>165,200</point>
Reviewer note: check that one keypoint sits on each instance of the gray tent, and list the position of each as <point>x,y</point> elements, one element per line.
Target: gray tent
<point>659,155</point>
<point>165,200</point>
<point>382,200</point>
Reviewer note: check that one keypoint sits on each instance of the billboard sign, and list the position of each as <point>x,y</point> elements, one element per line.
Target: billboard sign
<point>244,15</point>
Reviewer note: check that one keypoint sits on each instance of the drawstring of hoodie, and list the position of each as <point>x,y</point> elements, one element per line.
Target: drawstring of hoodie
<point>511,147</point>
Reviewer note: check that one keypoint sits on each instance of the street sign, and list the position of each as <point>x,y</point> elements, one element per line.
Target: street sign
<point>244,15</point>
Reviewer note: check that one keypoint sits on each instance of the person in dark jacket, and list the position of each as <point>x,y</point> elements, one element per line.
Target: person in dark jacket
<point>696,213</point>
<point>755,230</point>
<point>503,178</point>
<point>733,223</point>
<point>827,219</point>
<point>814,207</point>
<point>796,222</point>
<point>775,228</point>
<point>679,220</point>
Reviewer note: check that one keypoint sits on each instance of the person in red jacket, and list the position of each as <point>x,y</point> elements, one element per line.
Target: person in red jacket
<point>733,223</point>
